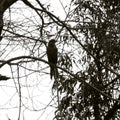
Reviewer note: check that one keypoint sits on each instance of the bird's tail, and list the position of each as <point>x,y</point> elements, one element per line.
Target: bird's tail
<point>53,72</point>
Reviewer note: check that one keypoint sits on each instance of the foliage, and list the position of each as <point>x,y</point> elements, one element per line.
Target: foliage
<point>98,22</point>
<point>88,41</point>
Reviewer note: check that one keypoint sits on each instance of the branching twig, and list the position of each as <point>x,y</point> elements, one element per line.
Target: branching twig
<point>61,23</point>
<point>75,77</point>
<point>19,87</point>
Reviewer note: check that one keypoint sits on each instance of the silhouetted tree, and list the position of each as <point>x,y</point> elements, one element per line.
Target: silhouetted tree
<point>88,40</point>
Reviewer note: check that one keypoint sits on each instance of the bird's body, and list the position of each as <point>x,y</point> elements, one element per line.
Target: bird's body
<point>52,58</point>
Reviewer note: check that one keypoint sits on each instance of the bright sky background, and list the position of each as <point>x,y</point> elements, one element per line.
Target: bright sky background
<point>8,95</point>
<point>41,93</point>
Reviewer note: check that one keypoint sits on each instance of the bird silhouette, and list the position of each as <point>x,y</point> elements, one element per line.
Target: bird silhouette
<point>52,52</point>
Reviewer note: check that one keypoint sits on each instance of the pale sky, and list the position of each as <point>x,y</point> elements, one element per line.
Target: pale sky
<point>41,94</point>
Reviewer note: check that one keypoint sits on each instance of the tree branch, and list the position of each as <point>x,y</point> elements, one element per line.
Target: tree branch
<point>4,5</point>
<point>75,77</point>
<point>61,23</point>
<point>7,3</point>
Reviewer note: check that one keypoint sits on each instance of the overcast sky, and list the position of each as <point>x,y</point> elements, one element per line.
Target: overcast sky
<point>42,95</point>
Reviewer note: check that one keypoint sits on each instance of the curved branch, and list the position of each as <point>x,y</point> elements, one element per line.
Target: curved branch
<point>4,5</point>
<point>22,57</point>
<point>7,3</point>
<point>62,23</point>
<point>75,77</point>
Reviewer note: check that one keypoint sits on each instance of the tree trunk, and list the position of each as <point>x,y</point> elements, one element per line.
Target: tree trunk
<point>4,4</point>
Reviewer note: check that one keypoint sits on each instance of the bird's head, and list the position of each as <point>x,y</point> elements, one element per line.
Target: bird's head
<point>52,42</point>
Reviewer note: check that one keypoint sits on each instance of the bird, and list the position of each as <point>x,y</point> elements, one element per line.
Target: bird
<point>52,54</point>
